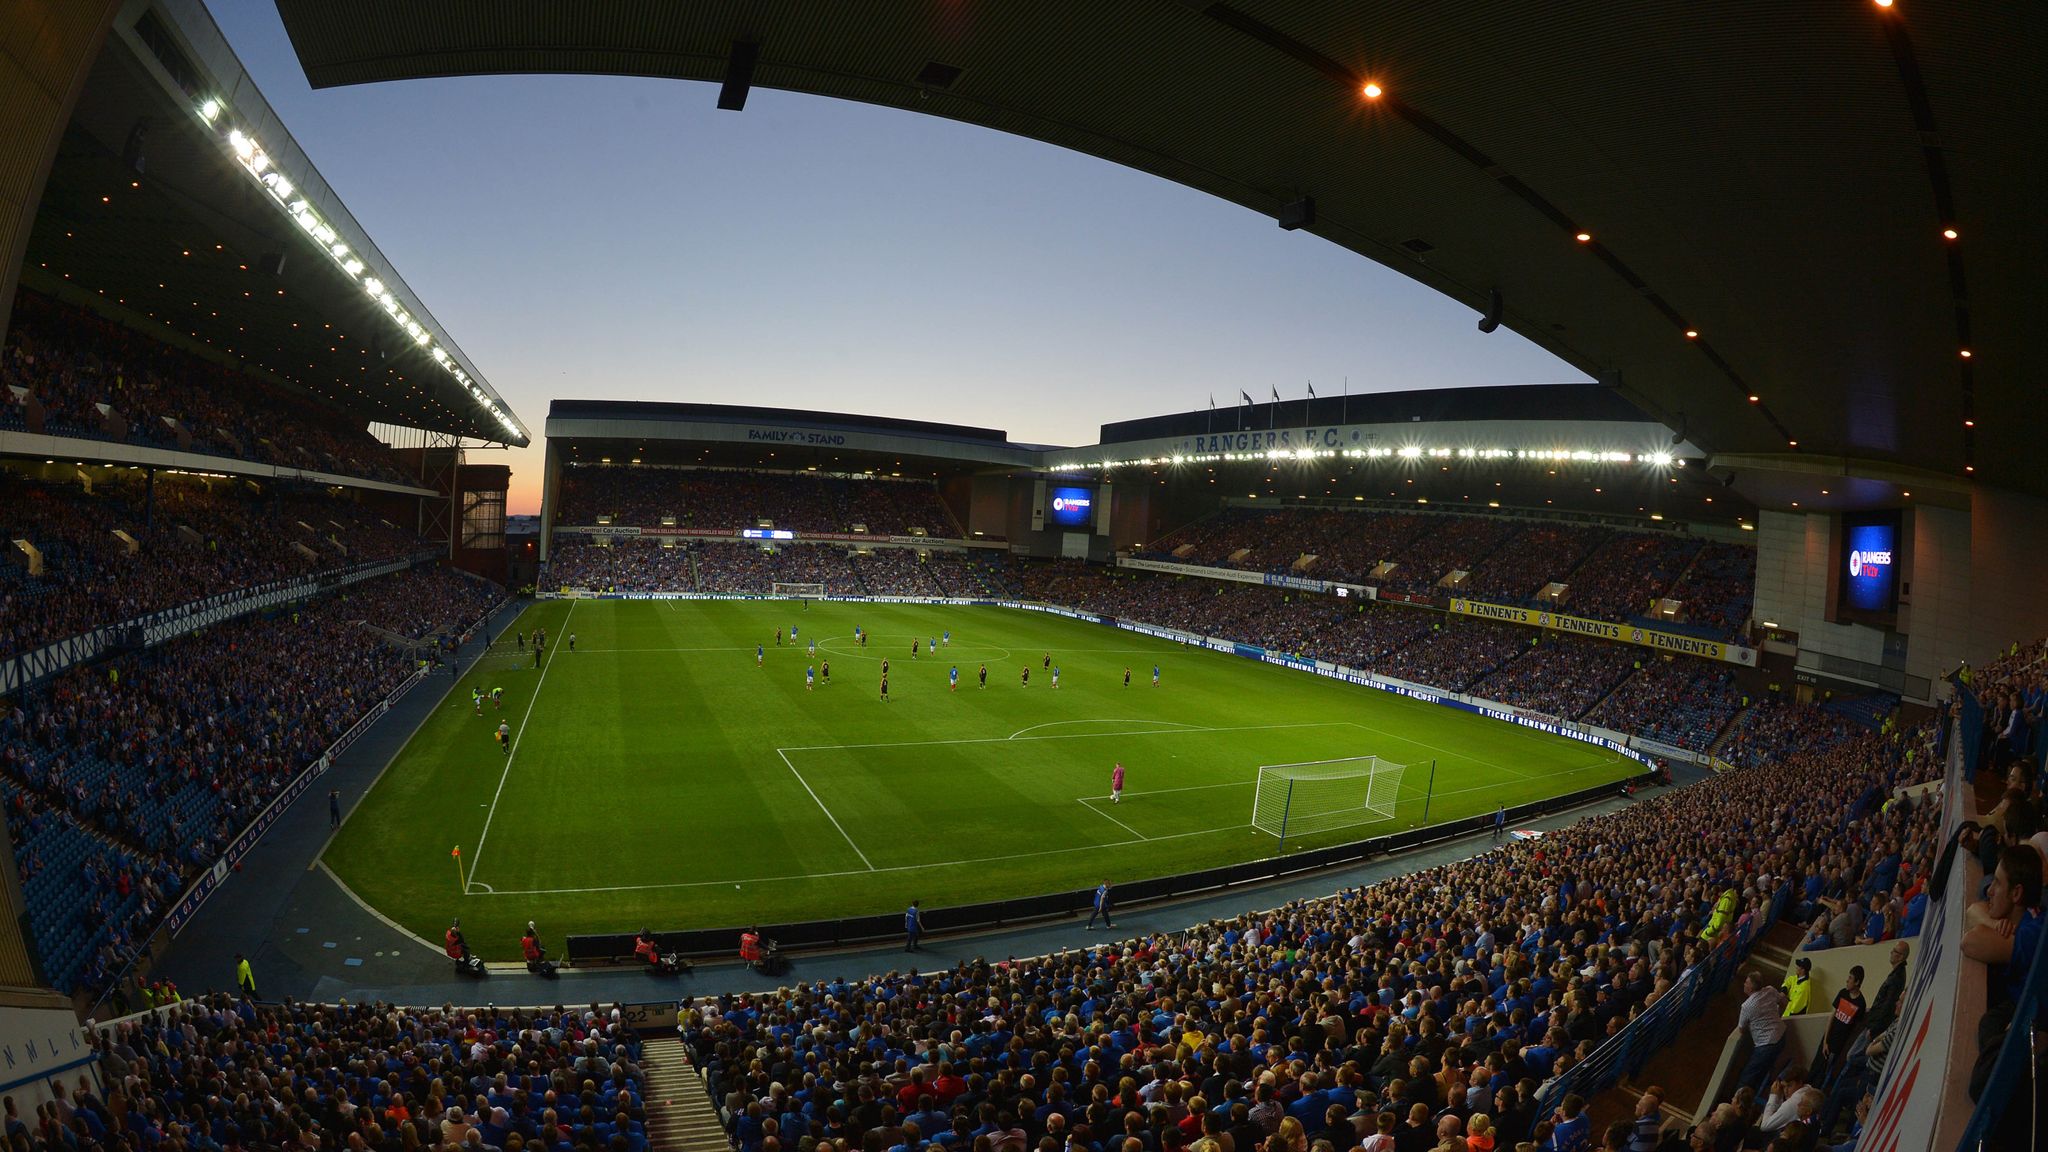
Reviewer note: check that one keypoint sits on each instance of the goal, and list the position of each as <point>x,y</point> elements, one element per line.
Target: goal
<point>1319,795</point>
<point>799,591</point>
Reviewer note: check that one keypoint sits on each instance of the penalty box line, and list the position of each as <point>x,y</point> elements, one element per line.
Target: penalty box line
<point>893,868</point>
<point>861,872</point>
<point>783,753</point>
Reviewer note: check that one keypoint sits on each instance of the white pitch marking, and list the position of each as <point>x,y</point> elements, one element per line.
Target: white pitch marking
<point>1058,723</point>
<point>513,753</point>
<point>1085,802</point>
<point>827,811</point>
<point>940,863</point>
<point>1075,736</point>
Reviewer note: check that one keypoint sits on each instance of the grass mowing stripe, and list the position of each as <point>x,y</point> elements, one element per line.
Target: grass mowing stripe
<point>512,754</point>
<point>650,790</point>
<point>962,863</point>
<point>827,811</point>
<point>1186,728</point>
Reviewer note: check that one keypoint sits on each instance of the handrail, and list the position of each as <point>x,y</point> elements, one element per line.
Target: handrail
<point>1625,1052</point>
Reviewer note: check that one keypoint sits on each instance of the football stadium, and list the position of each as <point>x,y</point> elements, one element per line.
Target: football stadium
<point>963,733</point>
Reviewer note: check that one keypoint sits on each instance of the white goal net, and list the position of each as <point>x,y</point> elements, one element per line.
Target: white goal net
<point>1319,795</point>
<point>799,591</point>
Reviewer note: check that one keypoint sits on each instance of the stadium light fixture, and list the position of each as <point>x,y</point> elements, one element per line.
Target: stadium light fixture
<point>1661,459</point>
<point>1372,91</point>
<point>1692,334</point>
<point>1584,237</point>
<point>1966,353</point>
<point>1948,233</point>
<point>249,152</point>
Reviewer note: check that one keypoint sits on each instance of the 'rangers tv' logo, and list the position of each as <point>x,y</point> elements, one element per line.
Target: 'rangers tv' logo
<point>1868,563</point>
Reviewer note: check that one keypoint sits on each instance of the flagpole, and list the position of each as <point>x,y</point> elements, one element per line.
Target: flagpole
<point>461,882</point>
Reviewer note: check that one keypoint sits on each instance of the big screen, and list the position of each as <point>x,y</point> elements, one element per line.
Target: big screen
<point>1070,507</point>
<point>1870,547</point>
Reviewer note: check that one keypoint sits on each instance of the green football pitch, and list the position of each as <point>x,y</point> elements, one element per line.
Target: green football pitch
<point>657,777</point>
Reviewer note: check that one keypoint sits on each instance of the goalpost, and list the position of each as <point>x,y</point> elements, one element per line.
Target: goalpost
<point>798,591</point>
<point>1319,795</point>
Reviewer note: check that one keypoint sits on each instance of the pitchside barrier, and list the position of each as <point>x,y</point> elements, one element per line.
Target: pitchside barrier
<point>857,930</point>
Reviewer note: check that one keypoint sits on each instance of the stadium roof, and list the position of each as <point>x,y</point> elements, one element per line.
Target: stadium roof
<point>1546,404</point>
<point>157,210</point>
<point>746,436</point>
<point>1773,178</point>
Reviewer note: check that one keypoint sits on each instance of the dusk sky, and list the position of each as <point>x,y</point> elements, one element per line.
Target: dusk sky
<point>594,237</point>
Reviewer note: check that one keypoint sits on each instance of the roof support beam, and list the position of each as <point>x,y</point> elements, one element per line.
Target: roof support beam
<point>739,75</point>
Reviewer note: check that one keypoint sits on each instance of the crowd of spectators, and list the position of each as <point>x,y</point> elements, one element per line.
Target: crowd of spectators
<point>896,572</point>
<point>125,778</point>
<point>1627,574</point>
<point>726,500</point>
<point>1459,652</point>
<point>1563,676</point>
<point>1347,546</point>
<point>1609,574</point>
<point>1719,588</point>
<point>1675,700</point>
<point>431,602</point>
<point>1774,728</point>
<point>1428,1010</point>
<point>1447,544</point>
<point>376,1077</point>
<point>73,362</point>
<point>625,565</point>
<point>193,537</point>
<point>629,565</point>
<point>750,570</point>
<point>1538,555</point>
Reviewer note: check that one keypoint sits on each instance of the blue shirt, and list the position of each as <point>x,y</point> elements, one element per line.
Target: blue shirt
<point>1102,896</point>
<point>910,919</point>
<point>1916,908</point>
<point>2026,940</point>
<point>1574,1135</point>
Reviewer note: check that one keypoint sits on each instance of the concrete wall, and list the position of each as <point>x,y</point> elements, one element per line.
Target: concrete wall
<point>1936,587</point>
<point>2008,555</point>
<point>1794,561</point>
<point>1970,583</point>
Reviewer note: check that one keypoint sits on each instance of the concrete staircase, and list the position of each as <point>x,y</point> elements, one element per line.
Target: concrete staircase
<point>680,1115</point>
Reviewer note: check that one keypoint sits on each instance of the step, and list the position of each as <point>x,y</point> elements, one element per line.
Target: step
<point>680,1114</point>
